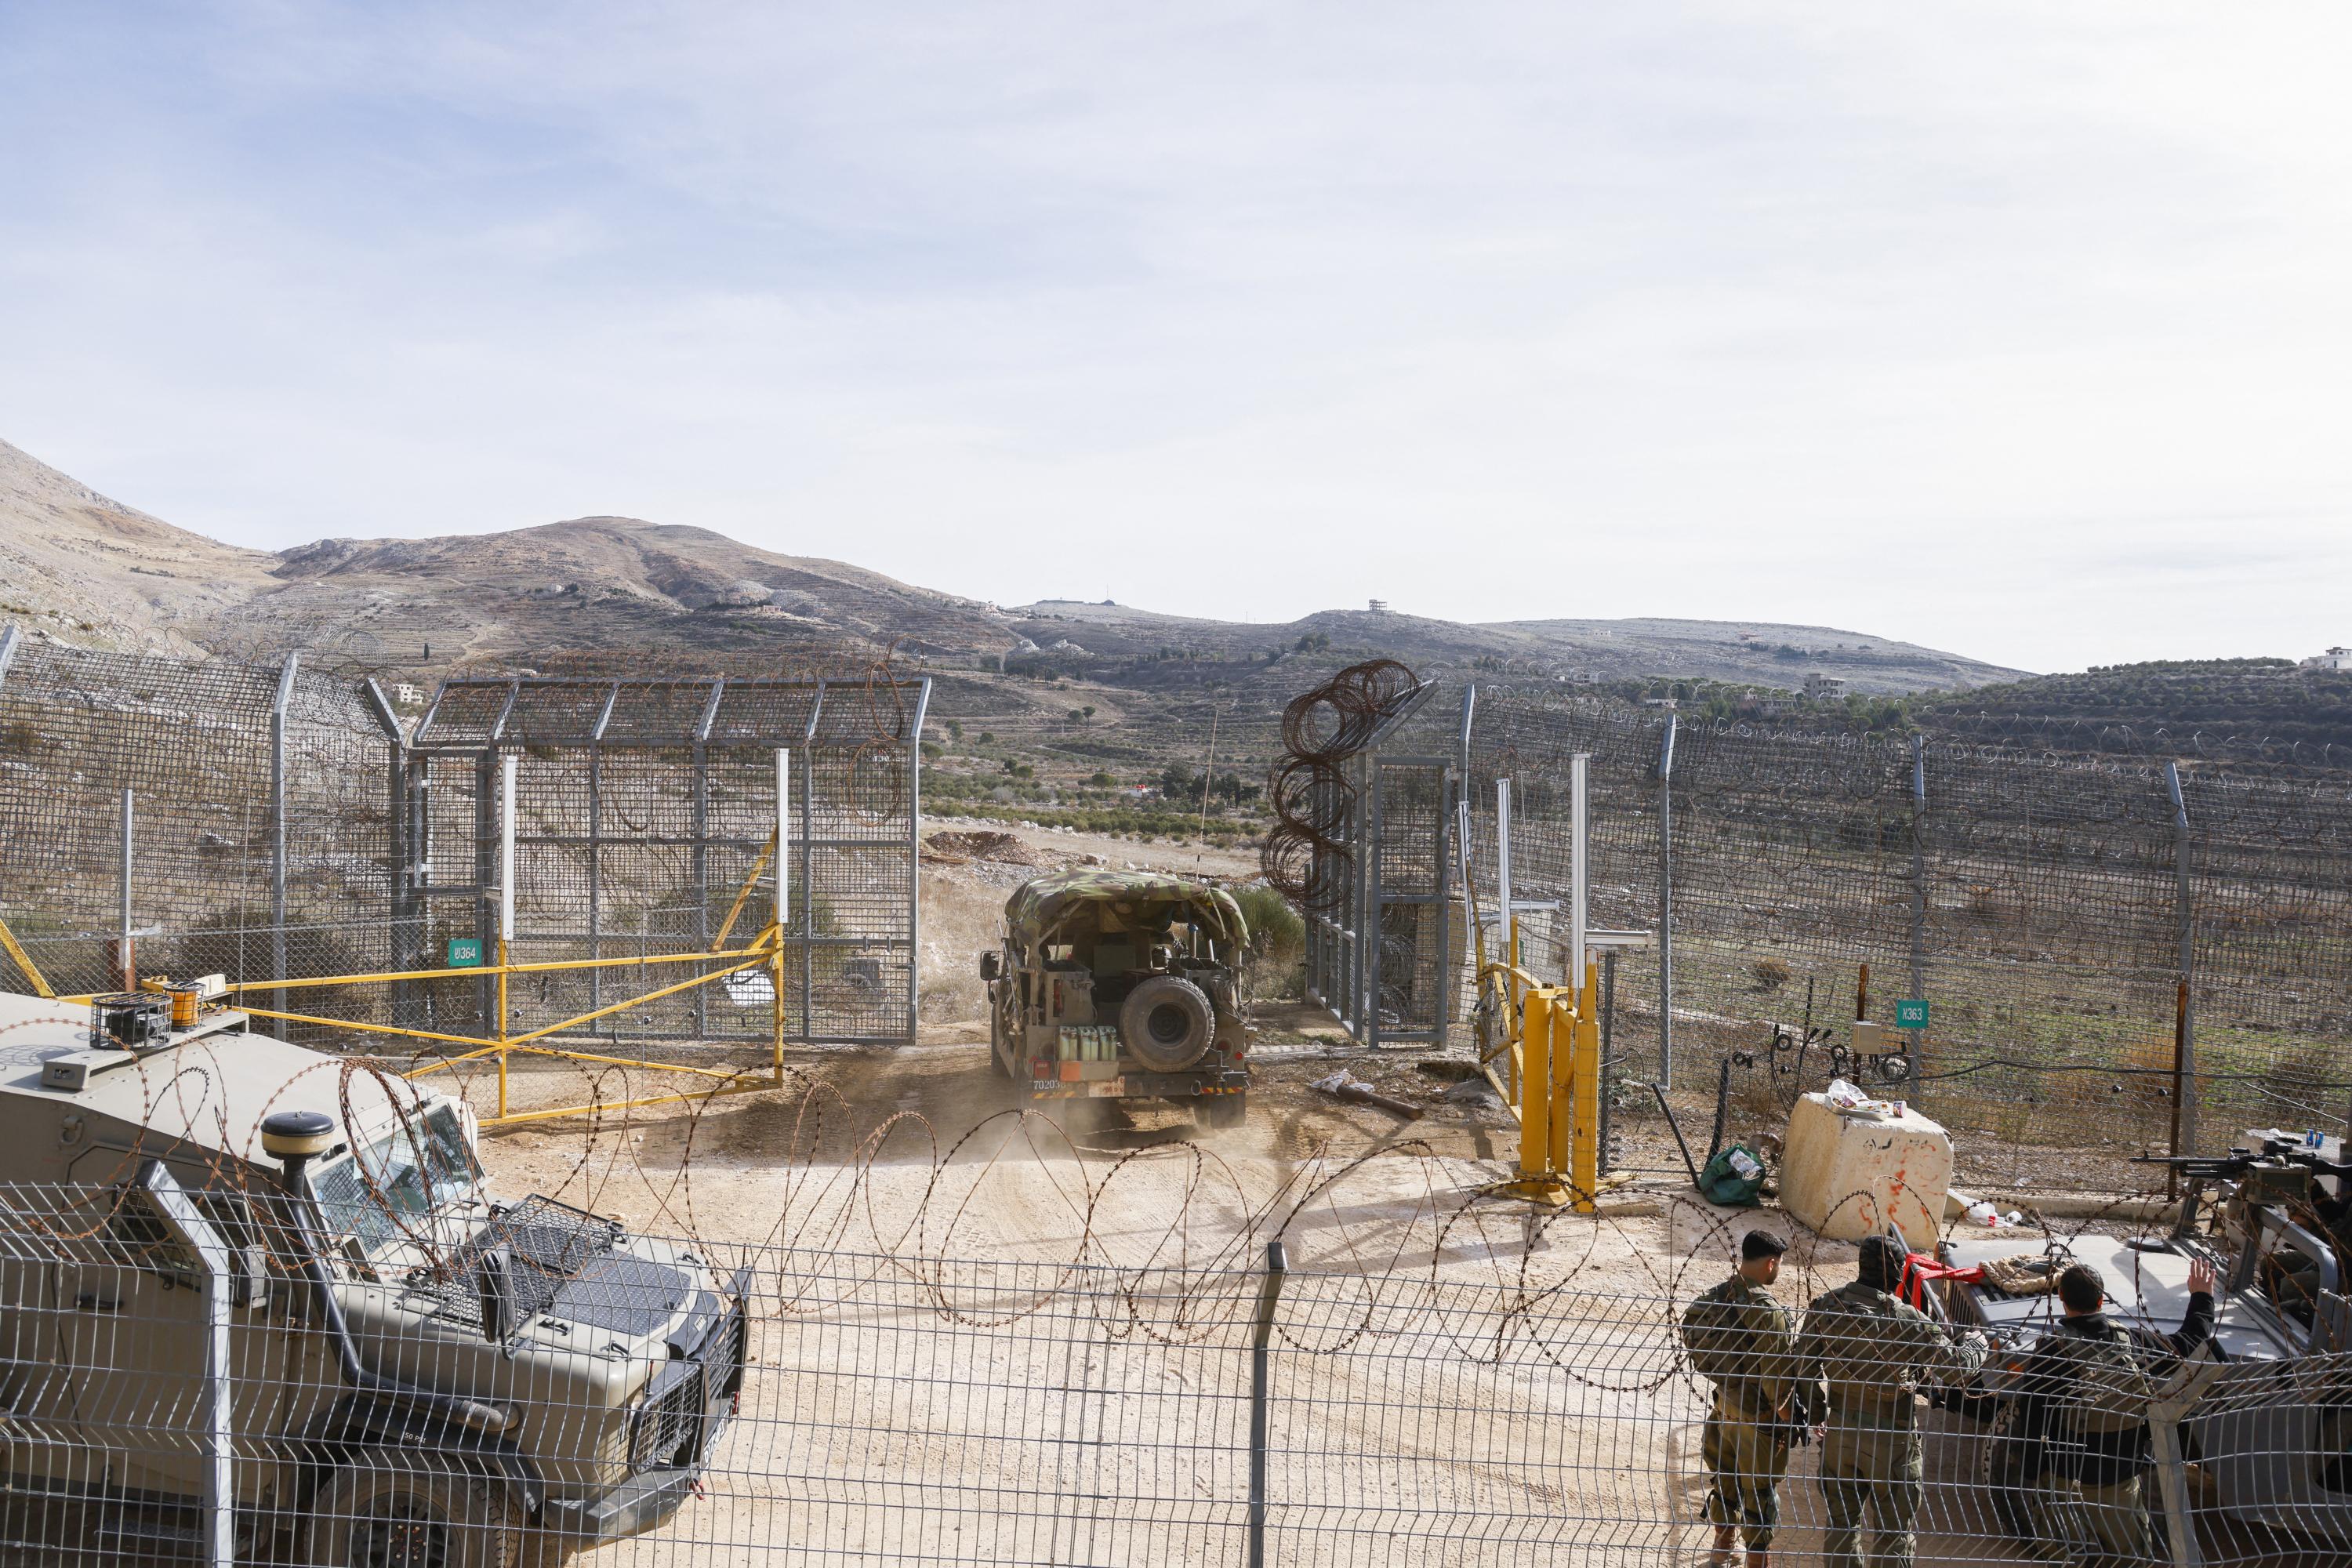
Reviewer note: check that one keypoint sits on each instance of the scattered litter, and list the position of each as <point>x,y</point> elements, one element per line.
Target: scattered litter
<point>1345,1085</point>
<point>1847,1100</point>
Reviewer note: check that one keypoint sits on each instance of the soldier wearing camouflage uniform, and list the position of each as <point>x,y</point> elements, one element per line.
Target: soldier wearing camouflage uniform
<point>2082,1402</point>
<point>1875,1353</point>
<point>1744,1341</point>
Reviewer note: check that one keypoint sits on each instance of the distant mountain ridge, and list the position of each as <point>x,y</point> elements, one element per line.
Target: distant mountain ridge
<point>89,570</point>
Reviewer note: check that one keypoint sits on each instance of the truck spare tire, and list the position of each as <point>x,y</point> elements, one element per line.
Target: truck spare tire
<point>1167,1023</point>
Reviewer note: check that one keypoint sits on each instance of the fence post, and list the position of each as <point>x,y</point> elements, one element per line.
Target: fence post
<point>1666,906</point>
<point>1270,1291</point>
<point>277,835</point>
<point>2171,1405</point>
<point>219,1540</point>
<point>126,961</point>
<point>913,859</point>
<point>2185,1022</point>
<point>1916,1048</point>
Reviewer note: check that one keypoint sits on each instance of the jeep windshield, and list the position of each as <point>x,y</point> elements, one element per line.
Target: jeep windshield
<point>396,1184</point>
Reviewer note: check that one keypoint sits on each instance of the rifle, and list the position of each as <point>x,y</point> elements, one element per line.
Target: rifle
<point>2238,1161</point>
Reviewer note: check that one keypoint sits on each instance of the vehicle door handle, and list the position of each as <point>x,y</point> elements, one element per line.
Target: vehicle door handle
<point>91,1301</point>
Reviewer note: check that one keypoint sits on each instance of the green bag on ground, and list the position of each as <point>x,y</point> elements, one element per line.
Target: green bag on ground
<point>1733,1178</point>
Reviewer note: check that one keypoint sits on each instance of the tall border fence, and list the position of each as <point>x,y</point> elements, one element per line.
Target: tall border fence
<point>260,816</point>
<point>173,1384</point>
<point>286,824</point>
<point>2158,948</point>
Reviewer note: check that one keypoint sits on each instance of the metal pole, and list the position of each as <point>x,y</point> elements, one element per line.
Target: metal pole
<point>1919,1037</point>
<point>595,870</point>
<point>278,832</point>
<point>1367,865</point>
<point>2185,1027</point>
<point>915,857</point>
<point>126,964</point>
<point>1270,1291</point>
<point>220,1539</point>
<point>1666,906</point>
<point>783,899</point>
<point>506,904</point>
<point>1509,931</point>
<point>702,882</point>
<point>1580,871</point>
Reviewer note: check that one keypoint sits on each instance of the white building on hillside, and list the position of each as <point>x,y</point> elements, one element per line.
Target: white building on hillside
<point>2334,658</point>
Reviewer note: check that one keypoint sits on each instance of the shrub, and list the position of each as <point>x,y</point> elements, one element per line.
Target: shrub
<point>1277,946</point>
<point>1770,974</point>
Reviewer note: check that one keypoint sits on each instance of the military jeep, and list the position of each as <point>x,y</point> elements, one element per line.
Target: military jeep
<point>1122,985</point>
<point>414,1371</point>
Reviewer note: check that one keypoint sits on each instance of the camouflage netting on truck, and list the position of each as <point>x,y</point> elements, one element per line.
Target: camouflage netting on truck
<point>1141,899</point>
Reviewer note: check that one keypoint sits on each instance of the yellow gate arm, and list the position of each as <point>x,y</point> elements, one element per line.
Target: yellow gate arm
<point>25,962</point>
<point>743,895</point>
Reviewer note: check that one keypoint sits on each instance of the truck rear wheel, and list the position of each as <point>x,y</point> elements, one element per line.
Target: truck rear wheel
<point>1167,1023</point>
<point>382,1509</point>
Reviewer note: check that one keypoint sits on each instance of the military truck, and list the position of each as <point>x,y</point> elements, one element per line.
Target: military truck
<point>415,1372</point>
<point>1122,985</point>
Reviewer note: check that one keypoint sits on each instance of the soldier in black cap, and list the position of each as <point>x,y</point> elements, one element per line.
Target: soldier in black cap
<point>1744,1341</point>
<point>1874,1352</point>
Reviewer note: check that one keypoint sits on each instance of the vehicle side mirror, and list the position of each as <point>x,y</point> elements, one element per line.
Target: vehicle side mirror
<point>495,1293</point>
<point>990,966</point>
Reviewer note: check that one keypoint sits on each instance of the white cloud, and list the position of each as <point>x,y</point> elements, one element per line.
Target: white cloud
<point>2014,330</point>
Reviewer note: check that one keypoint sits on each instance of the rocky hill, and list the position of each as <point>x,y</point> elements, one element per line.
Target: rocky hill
<point>89,570</point>
<point>1076,636</point>
<point>94,572</point>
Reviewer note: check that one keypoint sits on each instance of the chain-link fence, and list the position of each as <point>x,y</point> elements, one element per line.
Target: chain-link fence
<point>646,819</point>
<point>194,1364</point>
<point>258,806</point>
<point>285,823</point>
<point>2104,944</point>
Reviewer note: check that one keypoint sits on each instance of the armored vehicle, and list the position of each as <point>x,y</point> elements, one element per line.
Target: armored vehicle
<point>1122,985</point>
<point>247,1287</point>
<point>2272,1426</point>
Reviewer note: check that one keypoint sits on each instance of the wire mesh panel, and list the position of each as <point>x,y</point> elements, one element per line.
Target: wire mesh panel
<point>212,1360</point>
<point>2048,909</point>
<point>260,816</point>
<point>646,817</point>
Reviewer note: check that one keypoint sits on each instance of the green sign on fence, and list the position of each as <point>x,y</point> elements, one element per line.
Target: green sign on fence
<point>1911,1015</point>
<point>465,953</point>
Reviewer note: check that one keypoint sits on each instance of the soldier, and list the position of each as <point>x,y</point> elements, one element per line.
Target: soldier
<point>1740,1337</point>
<point>1874,1352</point>
<point>2089,1384</point>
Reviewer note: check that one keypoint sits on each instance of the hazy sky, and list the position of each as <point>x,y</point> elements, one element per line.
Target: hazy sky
<point>2018,330</point>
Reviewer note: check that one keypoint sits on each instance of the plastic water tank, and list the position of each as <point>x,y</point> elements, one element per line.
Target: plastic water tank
<point>1847,1176</point>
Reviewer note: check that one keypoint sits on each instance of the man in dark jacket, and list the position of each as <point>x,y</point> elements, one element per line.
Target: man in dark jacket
<point>2084,1393</point>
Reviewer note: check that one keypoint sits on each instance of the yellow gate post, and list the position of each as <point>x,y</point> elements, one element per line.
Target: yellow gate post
<point>1553,1067</point>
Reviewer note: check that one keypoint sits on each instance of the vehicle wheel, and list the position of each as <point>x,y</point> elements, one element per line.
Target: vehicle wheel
<point>1221,1110</point>
<point>388,1509</point>
<point>1167,1023</point>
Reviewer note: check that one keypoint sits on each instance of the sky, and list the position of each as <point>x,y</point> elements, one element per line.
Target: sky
<point>2016,329</point>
